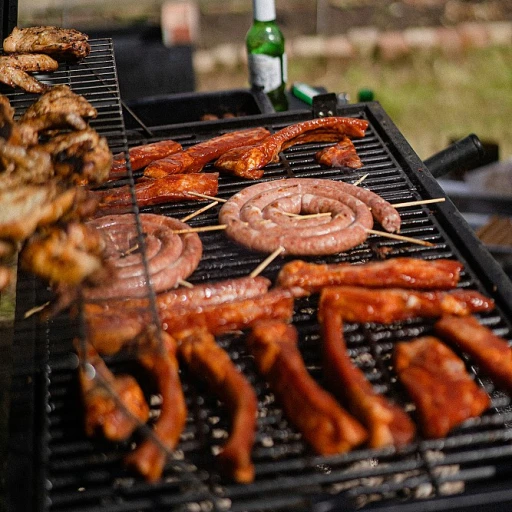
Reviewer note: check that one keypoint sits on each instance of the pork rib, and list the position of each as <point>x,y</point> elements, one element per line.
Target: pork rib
<point>357,304</point>
<point>327,427</point>
<point>436,378</point>
<point>305,278</point>
<point>491,352</point>
<point>387,423</point>
<point>208,361</point>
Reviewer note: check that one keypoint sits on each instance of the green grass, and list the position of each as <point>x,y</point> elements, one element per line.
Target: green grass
<point>433,99</point>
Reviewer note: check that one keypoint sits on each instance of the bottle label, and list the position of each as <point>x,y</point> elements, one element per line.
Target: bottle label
<point>266,71</point>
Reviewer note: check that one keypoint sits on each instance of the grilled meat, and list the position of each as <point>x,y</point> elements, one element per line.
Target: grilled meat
<point>387,423</point>
<point>80,157</point>
<point>62,43</point>
<point>437,380</point>
<point>69,254</point>
<point>14,71</point>
<point>327,427</point>
<point>206,360</point>
<point>491,352</point>
<point>114,404</point>
<point>157,353</point>
<point>6,119</point>
<point>343,154</point>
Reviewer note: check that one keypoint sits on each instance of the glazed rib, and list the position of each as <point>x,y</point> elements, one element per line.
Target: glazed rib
<point>208,361</point>
<point>159,358</point>
<point>305,278</point>
<point>491,352</point>
<point>196,157</point>
<point>387,423</point>
<point>436,378</point>
<point>357,304</point>
<point>343,154</point>
<point>323,423</point>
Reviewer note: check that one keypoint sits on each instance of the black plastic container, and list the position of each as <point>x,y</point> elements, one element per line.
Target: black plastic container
<point>184,108</point>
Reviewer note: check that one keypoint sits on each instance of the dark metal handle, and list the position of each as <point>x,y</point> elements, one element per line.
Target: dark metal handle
<point>463,155</point>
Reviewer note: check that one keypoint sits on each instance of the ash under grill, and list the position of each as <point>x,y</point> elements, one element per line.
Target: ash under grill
<point>54,467</point>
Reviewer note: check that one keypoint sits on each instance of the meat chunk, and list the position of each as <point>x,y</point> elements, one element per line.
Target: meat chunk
<point>14,71</point>
<point>327,427</point>
<point>387,423</point>
<point>491,352</point>
<point>358,304</point>
<point>63,43</point>
<point>206,360</point>
<point>437,380</point>
<point>306,278</point>
<point>343,154</point>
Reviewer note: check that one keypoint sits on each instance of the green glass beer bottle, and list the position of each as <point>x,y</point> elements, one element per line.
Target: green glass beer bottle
<point>266,54</point>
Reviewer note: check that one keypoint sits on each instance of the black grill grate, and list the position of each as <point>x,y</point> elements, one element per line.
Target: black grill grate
<point>53,466</point>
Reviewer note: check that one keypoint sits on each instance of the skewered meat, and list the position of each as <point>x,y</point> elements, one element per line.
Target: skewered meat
<point>114,404</point>
<point>208,361</point>
<point>387,423</point>
<point>81,157</point>
<point>140,156</point>
<point>157,353</point>
<point>205,294</point>
<point>436,378</point>
<point>305,278</point>
<point>248,162</point>
<point>324,424</point>
<point>491,352</point>
<point>196,157</point>
<point>109,330</point>
<point>169,257</point>
<point>163,190</point>
<point>258,216</point>
<point>343,154</point>
<point>14,71</point>
<point>28,207</point>
<point>62,43</point>
<point>357,304</point>
<point>69,254</point>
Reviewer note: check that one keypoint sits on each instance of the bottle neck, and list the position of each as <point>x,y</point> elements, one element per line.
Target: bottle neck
<point>264,10</point>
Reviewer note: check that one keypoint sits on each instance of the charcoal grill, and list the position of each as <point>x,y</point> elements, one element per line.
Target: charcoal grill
<point>53,466</point>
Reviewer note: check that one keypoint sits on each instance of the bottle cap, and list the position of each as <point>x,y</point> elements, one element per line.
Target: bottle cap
<point>264,10</point>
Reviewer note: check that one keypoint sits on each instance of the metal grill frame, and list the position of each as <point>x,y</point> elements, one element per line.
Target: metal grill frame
<point>46,446</point>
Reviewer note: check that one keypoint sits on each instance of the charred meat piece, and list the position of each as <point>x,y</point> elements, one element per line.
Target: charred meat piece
<point>438,382</point>
<point>14,71</point>
<point>305,278</point>
<point>150,192</point>
<point>6,120</point>
<point>157,353</point>
<point>62,43</point>
<point>343,154</point>
<point>81,157</point>
<point>28,207</point>
<point>357,304</point>
<point>114,404</point>
<point>248,162</point>
<point>324,424</point>
<point>491,352</point>
<point>196,157</point>
<point>70,254</point>
<point>140,156</point>
<point>387,423</point>
<point>206,360</point>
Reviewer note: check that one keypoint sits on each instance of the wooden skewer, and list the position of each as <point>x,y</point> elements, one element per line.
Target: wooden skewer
<point>400,237</point>
<point>208,197</point>
<point>35,310</point>
<point>266,262</point>
<point>130,250</point>
<point>421,201</point>
<point>309,216</point>
<point>186,284</point>
<point>201,210</point>
<point>360,180</point>
<point>200,229</point>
